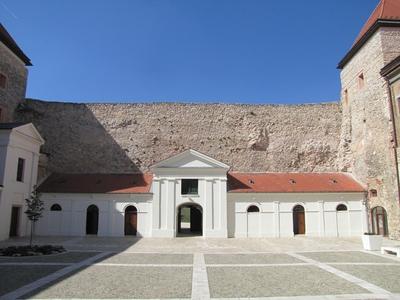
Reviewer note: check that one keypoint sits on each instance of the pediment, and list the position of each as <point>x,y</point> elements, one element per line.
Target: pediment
<point>190,159</point>
<point>29,131</point>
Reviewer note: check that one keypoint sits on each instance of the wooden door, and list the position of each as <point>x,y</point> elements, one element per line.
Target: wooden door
<point>380,221</point>
<point>14,221</point>
<point>130,222</point>
<point>301,222</point>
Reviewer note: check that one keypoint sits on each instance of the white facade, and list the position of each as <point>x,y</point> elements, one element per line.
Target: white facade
<point>224,214</point>
<point>275,216</point>
<point>17,142</point>
<point>71,219</point>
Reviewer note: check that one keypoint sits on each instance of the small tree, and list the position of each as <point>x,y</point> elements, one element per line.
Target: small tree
<point>34,210</point>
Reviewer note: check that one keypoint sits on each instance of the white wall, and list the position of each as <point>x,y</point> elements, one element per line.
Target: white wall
<point>276,217</point>
<point>20,142</point>
<point>211,197</point>
<point>71,221</point>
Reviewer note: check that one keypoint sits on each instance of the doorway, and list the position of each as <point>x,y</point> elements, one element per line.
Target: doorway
<point>15,211</point>
<point>130,220</point>
<point>253,221</point>
<point>379,221</point>
<point>190,220</point>
<point>92,219</point>
<point>299,222</point>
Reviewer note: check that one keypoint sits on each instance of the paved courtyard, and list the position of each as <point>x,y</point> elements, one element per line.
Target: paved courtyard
<point>197,268</point>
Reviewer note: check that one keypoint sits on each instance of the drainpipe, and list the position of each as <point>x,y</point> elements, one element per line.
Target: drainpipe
<point>394,136</point>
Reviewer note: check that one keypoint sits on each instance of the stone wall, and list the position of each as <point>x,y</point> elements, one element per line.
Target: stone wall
<point>367,148</point>
<point>16,73</point>
<point>115,138</point>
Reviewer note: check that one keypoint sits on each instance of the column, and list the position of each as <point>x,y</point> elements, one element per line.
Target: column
<point>171,203</point>
<point>277,219</point>
<point>156,203</point>
<point>223,217</point>
<point>321,218</point>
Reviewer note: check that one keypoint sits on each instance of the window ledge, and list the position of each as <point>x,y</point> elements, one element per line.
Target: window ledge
<point>190,195</point>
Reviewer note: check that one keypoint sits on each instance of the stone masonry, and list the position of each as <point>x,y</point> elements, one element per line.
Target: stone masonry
<point>117,138</point>
<point>367,140</point>
<point>16,73</point>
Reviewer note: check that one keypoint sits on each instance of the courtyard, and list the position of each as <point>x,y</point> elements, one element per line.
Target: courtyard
<point>199,268</point>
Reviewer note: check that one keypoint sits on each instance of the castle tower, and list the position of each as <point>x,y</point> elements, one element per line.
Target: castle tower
<point>13,75</point>
<point>369,145</point>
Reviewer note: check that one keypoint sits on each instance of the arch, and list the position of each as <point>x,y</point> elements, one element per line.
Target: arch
<point>130,227</point>
<point>299,221</point>
<point>253,221</point>
<point>379,221</point>
<point>253,208</point>
<point>190,219</point>
<point>56,207</point>
<point>92,219</point>
<point>341,207</point>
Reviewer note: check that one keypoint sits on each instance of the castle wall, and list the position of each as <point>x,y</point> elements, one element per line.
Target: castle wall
<point>115,138</point>
<point>367,144</point>
<point>14,92</point>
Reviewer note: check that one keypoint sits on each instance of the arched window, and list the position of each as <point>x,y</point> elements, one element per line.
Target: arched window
<point>56,207</point>
<point>253,208</point>
<point>341,207</point>
<point>379,221</point>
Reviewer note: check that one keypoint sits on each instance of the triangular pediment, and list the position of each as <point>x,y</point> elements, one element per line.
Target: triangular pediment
<point>190,159</point>
<point>29,131</point>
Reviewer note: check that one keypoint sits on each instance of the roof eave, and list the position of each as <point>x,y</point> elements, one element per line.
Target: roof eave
<point>358,45</point>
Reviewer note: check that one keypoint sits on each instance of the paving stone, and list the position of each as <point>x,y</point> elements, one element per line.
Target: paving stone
<point>68,257</point>
<point>269,258</point>
<point>149,258</point>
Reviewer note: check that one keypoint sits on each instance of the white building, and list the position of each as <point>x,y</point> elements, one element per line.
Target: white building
<point>218,203</point>
<point>19,159</point>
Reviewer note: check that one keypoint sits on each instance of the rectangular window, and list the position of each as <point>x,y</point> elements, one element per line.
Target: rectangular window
<point>361,82</point>
<point>190,187</point>
<point>3,81</point>
<point>20,169</point>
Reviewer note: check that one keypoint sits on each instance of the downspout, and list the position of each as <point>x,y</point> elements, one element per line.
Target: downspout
<point>394,134</point>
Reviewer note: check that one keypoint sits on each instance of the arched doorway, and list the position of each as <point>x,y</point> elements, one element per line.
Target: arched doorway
<point>299,222</point>
<point>342,220</point>
<point>92,219</point>
<point>190,220</point>
<point>130,220</point>
<point>253,221</point>
<point>379,221</point>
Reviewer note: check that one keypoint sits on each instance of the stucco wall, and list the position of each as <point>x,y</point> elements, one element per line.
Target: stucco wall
<point>131,137</point>
<point>14,92</point>
<point>366,147</point>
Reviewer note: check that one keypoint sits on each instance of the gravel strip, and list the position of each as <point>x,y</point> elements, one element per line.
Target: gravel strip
<point>12,278</point>
<point>386,277</point>
<point>276,281</point>
<point>127,283</point>
<point>268,258</point>
<point>67,257</point>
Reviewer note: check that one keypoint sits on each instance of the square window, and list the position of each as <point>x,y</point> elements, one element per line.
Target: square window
<point>20,169</point>
<point>190,187</point>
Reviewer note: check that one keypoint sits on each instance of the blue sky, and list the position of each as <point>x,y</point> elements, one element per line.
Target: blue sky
<point>232,51</point>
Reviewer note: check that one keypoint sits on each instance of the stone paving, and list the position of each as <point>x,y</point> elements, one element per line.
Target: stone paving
<point>216,269</point>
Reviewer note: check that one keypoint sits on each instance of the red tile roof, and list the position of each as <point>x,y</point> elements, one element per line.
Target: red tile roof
<point>292,183</point>
<point>386,14</point>
<point>97,183</point>
<point>386,10</point>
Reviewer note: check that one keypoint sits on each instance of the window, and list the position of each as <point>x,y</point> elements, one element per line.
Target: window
<point>361,81</point>
<point>373,193</point>
<point>190,187</point>
<point>341,207</point>
<point>3,81</point>
<point>253,208</point>
<point>56,207</point>
<point>346,97</point>
<point>20,169</point>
